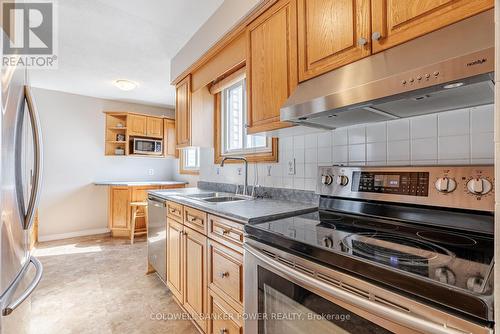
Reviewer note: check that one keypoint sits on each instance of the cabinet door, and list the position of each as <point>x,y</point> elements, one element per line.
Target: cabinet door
<point>137,125</point>
<point>397,21</point>
<point>119,213</point>
<point>271,65</point>
<point>195,275</point>
<point>175,261</point>
<point>169,138</point>
<point>183,112</point>
<point>154,127</point>
<point>331,33</point>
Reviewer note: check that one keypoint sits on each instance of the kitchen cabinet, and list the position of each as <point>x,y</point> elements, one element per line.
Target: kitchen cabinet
<point>119,211</point>
<point>195,275</point>
<point>331,33</point>
<point>137,124</point>
<point>154,127</point>
<point>169,138</point>
<point>224,318</point>
<point>175,266</point>
<point>122,127</point>
<point>183,112</point>
<point>271,65</point>
<point>395,22</point>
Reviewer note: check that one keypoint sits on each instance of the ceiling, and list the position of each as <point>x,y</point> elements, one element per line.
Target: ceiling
<point>101,41</point>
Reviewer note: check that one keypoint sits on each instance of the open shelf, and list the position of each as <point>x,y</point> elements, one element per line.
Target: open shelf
<point>117,128</point>
<point>116,142</point>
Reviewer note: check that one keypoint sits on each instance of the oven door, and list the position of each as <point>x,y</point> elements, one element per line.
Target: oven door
<point>285,297</point>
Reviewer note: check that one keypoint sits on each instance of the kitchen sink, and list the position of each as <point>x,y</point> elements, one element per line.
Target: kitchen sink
<point>224,199</point>
<point>202,195</point>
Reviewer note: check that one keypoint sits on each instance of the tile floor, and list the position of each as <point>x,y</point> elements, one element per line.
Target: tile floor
<point>98,285</point>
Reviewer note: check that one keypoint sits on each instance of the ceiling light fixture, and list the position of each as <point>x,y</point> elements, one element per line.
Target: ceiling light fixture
<point>125,85</point>
<point>453,85</point>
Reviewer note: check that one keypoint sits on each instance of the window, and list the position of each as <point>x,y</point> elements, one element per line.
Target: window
<point>190,160</point>
<point>235,140</point>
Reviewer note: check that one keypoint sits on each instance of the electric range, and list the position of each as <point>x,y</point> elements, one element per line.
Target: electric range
<point>425,233</point>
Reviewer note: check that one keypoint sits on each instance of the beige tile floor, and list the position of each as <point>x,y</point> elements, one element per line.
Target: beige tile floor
<point>98,285</point>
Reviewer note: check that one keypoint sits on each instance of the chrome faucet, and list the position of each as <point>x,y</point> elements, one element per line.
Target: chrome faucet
<point>245,185</point>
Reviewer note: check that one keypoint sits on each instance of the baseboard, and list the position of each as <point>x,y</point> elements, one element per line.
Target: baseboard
<point>50,237</point>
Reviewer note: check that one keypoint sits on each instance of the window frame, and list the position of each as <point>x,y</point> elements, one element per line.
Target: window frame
<point>224,106</point>
<point>182,157</point>
<point>269,156</point>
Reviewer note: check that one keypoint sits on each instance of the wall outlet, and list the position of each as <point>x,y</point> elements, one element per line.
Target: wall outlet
<point>217,171</point>
<point>151,171</point>
<point>269,170</point>
<point>239,170</point>
<point>291,166</point>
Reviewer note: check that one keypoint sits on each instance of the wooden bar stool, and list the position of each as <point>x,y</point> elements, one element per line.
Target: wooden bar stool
<point>135,207</point>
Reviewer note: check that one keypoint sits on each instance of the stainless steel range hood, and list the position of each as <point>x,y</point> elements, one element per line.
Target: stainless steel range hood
<point>448,69</point>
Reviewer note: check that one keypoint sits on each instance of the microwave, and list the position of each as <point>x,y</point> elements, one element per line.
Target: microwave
<point>147,146</point>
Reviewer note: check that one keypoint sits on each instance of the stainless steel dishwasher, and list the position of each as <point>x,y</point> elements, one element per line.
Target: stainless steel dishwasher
<point>157,235</point>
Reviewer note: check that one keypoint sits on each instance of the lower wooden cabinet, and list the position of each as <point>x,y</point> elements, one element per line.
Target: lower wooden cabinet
<point>223,318</point>
<point>195,276</point>
<point>175,265</point>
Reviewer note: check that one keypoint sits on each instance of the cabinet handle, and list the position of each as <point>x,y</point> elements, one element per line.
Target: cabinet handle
<point>222,331</point>
<point>226,232</point>
<point>362,41</point>
<point>224,274</point>
<point>376,36</point>
<point>193,219</point>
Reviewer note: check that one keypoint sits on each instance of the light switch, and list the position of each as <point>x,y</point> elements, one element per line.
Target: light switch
<point>151,172</point>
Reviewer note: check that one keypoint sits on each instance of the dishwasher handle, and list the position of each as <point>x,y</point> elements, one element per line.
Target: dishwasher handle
<point>158,202</point>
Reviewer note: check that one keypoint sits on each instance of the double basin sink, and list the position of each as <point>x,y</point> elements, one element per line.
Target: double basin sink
<point>216,197</point>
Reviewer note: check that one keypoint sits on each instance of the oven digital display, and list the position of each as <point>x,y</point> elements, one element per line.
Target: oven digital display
<point>400,183</point>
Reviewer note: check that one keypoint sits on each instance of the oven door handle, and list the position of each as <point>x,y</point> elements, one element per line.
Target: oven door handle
<point>405,319</point>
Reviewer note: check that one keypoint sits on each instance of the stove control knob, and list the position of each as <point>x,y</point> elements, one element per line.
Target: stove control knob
<point>445,184</point>
<point>326,179</point>
<point>328,242</point>
<point>445,275</point>
<point>479,186</point>
<point>475,283</point>
<point>342,180</point>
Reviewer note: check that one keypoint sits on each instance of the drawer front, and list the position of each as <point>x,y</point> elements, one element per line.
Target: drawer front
<point>195,219</point>
<point>227,232</point>
<point>174,210</point>
<point>226,273</point>
<point>223,318</point>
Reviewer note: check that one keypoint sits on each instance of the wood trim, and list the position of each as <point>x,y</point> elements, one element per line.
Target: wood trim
<point>234,33</point>
<point>251,157</point>
<point>183,142</point>
<point>229,80</point>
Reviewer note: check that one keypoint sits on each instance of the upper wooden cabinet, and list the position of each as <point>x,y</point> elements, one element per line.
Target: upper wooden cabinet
<point>137,124</point>
<point>169,142</point>
<point>271,65</point>
<point>154,127</point>
<point>331,33</point>
<point>183,112</point>
<point>396,21</point>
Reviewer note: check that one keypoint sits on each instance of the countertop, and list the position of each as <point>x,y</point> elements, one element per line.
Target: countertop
<point>138,183</point>
<point>247,211</point>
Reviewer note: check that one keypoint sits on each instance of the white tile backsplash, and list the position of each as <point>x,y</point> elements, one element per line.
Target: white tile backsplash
<point>356,135</point>
<point>398,150</point>
<point>398,129</point>
<point>376,132</point>
<point>423,126</point>
<point>449,138</point>
<point>452,123</point>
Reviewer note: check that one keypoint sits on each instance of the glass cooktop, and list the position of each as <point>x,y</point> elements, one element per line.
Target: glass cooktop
<point>437,255</point>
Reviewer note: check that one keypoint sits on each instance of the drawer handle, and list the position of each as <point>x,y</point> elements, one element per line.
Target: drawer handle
<point>193,219</point>
<point>174,211</point>
<point>222,331</point>
<point>226,232</point>
<point>224,274</point>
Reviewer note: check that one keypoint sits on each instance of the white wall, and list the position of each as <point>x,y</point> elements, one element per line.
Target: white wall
<point>225,17</point>
<point>450,138</point>
<point>73,135</point>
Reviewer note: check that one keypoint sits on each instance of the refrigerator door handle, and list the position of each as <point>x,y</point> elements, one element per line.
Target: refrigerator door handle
<point>38,276</point>
<point>38,159</point>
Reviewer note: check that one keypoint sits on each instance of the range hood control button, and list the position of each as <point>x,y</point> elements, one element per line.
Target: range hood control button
<point>326,179</point>
<point>342,180</point>
<point>445,185</point>
<point>479,186</point>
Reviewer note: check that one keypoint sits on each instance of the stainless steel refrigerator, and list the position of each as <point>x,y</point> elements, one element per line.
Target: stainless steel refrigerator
<point>20,173</point>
